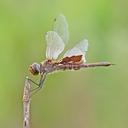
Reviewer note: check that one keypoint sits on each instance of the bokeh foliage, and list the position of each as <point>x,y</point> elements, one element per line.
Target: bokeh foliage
<point>92,98</point>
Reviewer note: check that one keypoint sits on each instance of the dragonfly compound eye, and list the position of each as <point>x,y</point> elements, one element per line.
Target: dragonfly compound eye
<point>34,69</point>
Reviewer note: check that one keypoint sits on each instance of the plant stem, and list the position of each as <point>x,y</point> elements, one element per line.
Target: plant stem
<point>26,104</point>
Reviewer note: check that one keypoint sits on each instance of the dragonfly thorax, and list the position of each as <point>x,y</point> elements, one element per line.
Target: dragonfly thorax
<point>47,66</point>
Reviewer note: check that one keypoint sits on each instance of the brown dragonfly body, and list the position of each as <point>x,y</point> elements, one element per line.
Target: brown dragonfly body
<point>73,59</point>
<point>49,66</point>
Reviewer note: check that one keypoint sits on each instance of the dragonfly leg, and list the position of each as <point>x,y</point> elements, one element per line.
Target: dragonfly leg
<point>42,79</point>
<point>40,85</point>
<point>35,90</point>
<point>33,82</point>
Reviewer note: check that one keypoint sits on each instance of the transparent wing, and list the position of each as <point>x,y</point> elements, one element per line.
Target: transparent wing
<point>55,45</point>
<point>61,27</point>
<point>79,49</point>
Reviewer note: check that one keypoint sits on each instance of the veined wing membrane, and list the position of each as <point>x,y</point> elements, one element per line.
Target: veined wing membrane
<point>61,27</point>
<point>83,46</point>
<point>80,50</point>
<point>55,45</point>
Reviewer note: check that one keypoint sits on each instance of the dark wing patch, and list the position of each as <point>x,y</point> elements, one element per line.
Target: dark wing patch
<point>72,59</point>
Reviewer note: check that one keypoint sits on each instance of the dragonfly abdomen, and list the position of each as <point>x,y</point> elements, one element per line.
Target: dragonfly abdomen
<point>70,66</point>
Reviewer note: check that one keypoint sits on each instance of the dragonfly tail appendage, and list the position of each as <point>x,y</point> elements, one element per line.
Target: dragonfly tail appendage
<point>98,64</point>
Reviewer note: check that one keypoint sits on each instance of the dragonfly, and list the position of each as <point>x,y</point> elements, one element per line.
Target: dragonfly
<point>73,59</point>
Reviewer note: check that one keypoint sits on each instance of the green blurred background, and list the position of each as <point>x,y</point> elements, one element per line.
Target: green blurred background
<point>90,98</point>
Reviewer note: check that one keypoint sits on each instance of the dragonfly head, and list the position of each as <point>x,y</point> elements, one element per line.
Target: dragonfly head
<point>34,68</point>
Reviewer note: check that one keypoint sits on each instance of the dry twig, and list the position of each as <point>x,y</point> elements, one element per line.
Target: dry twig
<point>26,104</point>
